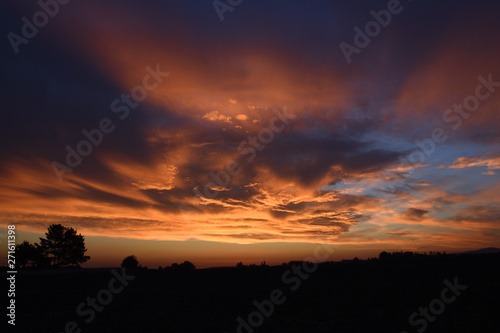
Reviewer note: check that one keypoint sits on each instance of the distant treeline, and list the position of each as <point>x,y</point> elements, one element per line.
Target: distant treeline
<point>407,254</point>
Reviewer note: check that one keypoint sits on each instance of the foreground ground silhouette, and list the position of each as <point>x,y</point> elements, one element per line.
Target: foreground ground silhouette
<point>354,296</point>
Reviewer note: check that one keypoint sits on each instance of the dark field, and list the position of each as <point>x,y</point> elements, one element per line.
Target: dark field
<point>366,296</point>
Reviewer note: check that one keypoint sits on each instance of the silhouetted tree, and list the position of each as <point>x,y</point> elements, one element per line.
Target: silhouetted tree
<point>408,254</point>
<point>187,265</point>
<point>64,246</point>
<point>384,255</point>
<point>25,254</point>
<point>130,262</point>
<point>41,258</point>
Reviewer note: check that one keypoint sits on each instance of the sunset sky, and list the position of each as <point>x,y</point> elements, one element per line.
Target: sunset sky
<point>399,149</point>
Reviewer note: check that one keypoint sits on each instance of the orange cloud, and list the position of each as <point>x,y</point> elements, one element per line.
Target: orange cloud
<point>491,162</point>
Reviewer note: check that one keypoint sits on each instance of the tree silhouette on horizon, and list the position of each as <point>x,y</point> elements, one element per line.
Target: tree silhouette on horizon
<point>62,247</point>
<point>130,262</point>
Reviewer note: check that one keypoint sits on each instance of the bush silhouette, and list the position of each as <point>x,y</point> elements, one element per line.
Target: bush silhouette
<point>130,262</point>
<point>185,266</point>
